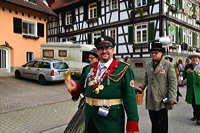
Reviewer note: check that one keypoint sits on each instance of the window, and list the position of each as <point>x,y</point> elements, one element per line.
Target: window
<point>138,64</point>
<point>29,28</point>
<point>198,41</point>
<point>30,64</point>
<point>96,35</point>
<point>29,56</point>
<point>113,4</point>
<point>190,38</point>
<point>184,35</point>
<point>112,33</point>
<point>190,8</point>
<point>197,12</point>
<point>68,18</point>
<point>141,33</point>
<point>92,10</point>
<point>62,53</point>
<point>140,3</point>
<point>48,53</point>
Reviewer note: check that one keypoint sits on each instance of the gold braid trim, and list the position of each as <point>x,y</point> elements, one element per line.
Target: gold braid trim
<point>122,74</point>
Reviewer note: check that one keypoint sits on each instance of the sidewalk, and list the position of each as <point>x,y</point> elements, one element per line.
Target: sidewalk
<point>38,119</point>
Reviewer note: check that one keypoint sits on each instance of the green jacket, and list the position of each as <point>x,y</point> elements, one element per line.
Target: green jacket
<point>120,85</point>
<point>193,83</point>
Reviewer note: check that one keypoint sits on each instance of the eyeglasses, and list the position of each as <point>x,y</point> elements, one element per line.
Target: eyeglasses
<point>91,58</point>
<point>155,52</point>
<point>104,48</point>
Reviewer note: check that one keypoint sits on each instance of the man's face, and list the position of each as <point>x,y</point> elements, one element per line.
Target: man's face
<point>105,53</point>
<point>195,60</point>
<point>156,55</point>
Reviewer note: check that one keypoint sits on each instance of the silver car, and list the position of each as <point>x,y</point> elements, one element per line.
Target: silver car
<point>43,70</point>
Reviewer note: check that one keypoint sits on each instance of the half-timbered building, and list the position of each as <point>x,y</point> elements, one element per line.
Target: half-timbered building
<point>132,23</point>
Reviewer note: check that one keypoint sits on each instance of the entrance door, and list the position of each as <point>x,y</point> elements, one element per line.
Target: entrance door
<point>4,59</point>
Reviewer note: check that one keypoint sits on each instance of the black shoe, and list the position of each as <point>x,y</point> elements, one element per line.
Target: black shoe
<point>198,122</point>
<point>194,119</point>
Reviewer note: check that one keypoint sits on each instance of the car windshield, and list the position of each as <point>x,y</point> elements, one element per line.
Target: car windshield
<point>60,65</point>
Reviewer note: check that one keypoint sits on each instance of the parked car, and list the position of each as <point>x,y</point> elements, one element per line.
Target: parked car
<point>43,70</point>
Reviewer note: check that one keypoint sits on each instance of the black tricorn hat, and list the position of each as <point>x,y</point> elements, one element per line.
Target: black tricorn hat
<point>156,46</point>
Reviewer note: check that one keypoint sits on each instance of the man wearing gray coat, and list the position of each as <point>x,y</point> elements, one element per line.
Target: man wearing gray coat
<point>161,88</point>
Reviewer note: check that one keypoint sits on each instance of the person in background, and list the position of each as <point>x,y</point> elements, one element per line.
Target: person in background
<point>109,92</point>
<point>127,59</point>
<point>170,59</point>
<point>192,74</point>
<point>161,88</point>
<point>179,72</point>
<point>187,61</point>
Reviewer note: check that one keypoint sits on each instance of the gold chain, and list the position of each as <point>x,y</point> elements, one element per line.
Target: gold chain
<point>125,68</point>
<point>122,74</point>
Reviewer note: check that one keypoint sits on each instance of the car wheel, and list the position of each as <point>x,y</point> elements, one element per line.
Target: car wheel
<point>42,80</point>
<point>18,74</point>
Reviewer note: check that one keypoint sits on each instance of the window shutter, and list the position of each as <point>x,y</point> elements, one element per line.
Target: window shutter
<point>181,34</point>
<point>40,29</point>
<point>73,17</point>
<point>151,1</point>
<point>102,32</point>
<point>89,38</point>
<point>194,39</point>
<point>130,35</point>
<point>168,1</point>
<point>180,4</point>
<point>151,32</point>
<point>99,8</point>
<point>63,18</point>
<point>177,35</point>
<point>17,25</point>
<point>74,39</point>
<point>176,4</point>
<point>131,3</point>
<point>85,13</point>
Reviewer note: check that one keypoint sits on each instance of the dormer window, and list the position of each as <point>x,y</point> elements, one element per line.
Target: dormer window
<point>31,1</point>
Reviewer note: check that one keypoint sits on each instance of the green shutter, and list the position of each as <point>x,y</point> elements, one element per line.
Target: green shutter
<point>180,4</point>
<point>89,38</point>
<point>151,1</point>
<point>167,28</point>
<point>194,39</point>
<point>98,8</point>
<point>73,17</point>
<point>176,4</point>
<point>177,35</point>
<point>151,32</point>
<point>168,1</point>
<point>131,3</point>
<point>63,18</point>
<point>181,35</point>
<point>85,13</point>
<point>102,32</point>
<point>130,34</point>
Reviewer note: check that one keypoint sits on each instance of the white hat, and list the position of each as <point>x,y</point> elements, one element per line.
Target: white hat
<point>194,55</point>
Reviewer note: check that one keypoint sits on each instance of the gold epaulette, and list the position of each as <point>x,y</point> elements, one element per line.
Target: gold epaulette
<point>124,63</point>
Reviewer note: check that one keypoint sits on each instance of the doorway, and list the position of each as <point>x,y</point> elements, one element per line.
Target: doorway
<point>4,60</point>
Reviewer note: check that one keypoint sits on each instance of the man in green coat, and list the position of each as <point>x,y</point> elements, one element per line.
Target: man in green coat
<point>109,90</point>
<point>192,73</point>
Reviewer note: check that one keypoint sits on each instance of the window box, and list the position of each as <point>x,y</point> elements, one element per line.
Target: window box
<point>198,50</point>
<point>30,37</point>
<point>173,9</point>
<point>190,48</point>
<point>140,10</point>
<point>174,47</point>
<point>198,21</point>
<point>68,26</point>
<point>89,21</point>
<point>140,46</point>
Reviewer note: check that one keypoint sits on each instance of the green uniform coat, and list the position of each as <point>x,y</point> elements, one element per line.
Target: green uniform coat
<point>193,83</point>
<point>122,89</point>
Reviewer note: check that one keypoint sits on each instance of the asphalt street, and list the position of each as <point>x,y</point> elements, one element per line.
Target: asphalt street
<point>27,107</point>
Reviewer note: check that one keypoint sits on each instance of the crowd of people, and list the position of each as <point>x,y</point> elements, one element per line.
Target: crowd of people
<point>109,89</point>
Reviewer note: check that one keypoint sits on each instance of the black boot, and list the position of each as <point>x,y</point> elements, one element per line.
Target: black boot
<point>198,122</point>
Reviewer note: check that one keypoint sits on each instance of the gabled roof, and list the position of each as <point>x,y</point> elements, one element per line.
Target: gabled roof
<point>39,6</point>
<point>62,3</point>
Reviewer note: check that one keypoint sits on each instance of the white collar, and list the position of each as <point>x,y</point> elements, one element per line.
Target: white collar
<point>107,64</point>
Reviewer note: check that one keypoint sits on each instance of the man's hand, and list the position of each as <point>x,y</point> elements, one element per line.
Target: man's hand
<point>138,88</point>
<point>171,102</point>
<point>70,86</point>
